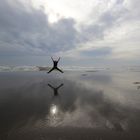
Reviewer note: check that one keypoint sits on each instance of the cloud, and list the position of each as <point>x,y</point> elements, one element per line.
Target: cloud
<point>109,29</point>
<point>98,52</point>
<point>28,32</point>
<point>116,27</point>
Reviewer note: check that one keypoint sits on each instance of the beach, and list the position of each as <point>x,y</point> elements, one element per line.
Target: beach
<point>76,105</point>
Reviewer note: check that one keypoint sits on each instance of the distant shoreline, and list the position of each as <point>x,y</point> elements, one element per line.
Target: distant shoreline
<point>40,68</point>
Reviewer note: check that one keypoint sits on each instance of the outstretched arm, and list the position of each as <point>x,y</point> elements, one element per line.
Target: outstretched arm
<point>58,58</point>
<point>52,58</point>
<point>60,86</point>
<point>50,86</point>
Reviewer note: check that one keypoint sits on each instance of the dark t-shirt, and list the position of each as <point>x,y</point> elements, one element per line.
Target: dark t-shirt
<point>55,63</point>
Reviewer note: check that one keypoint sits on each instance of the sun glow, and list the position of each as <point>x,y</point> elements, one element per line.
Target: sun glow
<point>53,110</point>
<point>57,9</point>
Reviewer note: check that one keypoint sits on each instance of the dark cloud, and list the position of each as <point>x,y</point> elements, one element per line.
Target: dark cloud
<point>25,31</point>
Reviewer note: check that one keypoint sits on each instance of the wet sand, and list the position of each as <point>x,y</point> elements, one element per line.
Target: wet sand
<point>101,105</point>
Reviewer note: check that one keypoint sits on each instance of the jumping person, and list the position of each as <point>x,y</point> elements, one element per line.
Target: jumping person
<point>55,62</point>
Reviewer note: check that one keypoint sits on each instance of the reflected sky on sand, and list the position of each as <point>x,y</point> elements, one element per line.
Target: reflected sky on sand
<point>75,105</point>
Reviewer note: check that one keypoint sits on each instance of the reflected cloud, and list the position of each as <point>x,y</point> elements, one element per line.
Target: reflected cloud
<point>69,105</point>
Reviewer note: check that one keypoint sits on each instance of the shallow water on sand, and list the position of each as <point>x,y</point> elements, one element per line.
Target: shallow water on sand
<point>100,105</point>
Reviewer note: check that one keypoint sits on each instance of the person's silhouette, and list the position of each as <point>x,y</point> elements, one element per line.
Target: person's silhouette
<point>55,62</point>
<point>55,89</point>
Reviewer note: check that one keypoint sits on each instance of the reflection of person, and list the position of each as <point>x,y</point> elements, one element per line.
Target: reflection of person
<point>55,89</point>
<point>55,62</point>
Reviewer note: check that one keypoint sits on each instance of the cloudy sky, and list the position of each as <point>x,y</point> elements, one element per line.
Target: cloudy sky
<point>82,33</point>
